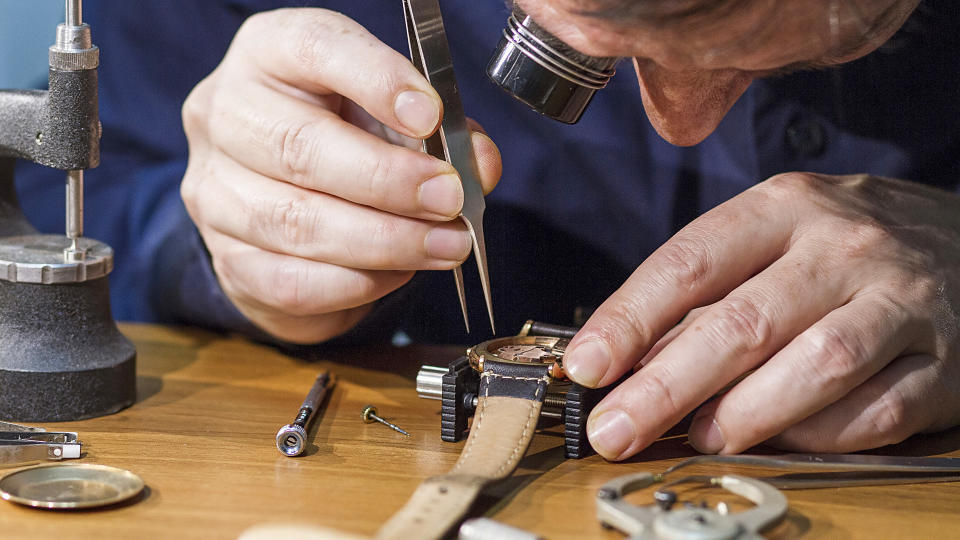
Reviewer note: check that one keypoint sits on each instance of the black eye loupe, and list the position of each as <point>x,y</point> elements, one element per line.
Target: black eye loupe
<point>544,72</point>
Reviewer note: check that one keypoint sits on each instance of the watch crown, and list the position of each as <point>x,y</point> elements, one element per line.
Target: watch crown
<point>556,371</point>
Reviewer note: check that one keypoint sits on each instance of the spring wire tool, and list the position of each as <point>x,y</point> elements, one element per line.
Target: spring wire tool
<point>430,54</point>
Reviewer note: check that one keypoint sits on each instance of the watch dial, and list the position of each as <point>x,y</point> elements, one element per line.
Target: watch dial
<point>527,353</point>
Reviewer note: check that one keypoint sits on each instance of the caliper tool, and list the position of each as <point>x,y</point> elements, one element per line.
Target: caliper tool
<point>430,53</point>
<point>660,520</point>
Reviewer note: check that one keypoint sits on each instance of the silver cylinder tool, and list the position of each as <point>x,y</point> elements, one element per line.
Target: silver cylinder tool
<point>292,438</point>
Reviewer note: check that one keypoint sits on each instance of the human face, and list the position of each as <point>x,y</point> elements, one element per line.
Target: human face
<point>692,70</point>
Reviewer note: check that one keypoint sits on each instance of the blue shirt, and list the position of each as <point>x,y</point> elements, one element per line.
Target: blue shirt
<point>578,207</point>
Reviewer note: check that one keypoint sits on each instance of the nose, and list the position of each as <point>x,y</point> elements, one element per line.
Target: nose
<point>686,106</point>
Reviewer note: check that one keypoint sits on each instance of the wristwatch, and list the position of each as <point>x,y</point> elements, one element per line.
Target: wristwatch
<point>457,387</point>
<point>514,374</point>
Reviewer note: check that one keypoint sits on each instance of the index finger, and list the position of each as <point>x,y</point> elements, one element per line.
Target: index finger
<point>702,263</point>
<point>323,52</point>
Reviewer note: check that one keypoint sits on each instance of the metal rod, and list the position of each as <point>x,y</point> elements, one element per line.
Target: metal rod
<point>74,16</point>
<point>74,207</point>
<point>370,416</point>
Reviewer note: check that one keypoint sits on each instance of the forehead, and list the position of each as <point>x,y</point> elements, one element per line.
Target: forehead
<point>684,34</point>
<point>671,31</point>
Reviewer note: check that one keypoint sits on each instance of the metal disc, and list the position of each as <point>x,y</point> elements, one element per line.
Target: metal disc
<point>70,486</point>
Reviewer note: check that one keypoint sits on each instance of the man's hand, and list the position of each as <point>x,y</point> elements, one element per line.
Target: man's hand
<point>305,178</point>
<point>842,293</point>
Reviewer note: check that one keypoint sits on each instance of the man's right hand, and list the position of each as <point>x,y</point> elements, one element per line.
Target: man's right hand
<point>305,179</point>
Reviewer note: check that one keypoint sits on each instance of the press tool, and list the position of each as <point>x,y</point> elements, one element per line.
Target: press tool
<point>61,354</point>
<point>430,54</point>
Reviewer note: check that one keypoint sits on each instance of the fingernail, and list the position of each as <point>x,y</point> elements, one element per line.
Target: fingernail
<point>587,363</point>
<point>417,111</point>
<point>611,433</point>
<point>447,244</point>
<point>705,435</point>
<point>442,195</point>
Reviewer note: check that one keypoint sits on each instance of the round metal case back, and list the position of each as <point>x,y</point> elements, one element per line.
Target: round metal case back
<point>70,486</point>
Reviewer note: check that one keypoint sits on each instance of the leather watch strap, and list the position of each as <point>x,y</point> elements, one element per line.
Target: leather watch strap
<point>508,408</point>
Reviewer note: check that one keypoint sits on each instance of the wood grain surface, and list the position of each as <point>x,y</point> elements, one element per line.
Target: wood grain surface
<point>201,435</point>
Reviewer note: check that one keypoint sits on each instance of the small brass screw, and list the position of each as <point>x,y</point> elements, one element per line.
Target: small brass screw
<point>370,416</point>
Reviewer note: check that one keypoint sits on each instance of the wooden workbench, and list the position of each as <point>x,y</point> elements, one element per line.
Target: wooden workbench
<point>201,435</point>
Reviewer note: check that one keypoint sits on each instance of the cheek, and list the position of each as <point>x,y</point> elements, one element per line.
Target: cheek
<point>686,106</point>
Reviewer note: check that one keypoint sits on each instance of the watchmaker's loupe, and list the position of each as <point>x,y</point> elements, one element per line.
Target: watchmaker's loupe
<point>542,71</point>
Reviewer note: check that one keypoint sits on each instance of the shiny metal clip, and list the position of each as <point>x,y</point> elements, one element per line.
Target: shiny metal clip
<point>23,444</point>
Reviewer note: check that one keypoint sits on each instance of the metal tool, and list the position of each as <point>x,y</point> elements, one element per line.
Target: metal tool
<point>33,444</point>
<point>292,438</point>
<point>61,354</point>
<point>659,520</point>
<point>10,426</point>
<point>430,53</point>
<point>370,416</point>
<point>846,469</point>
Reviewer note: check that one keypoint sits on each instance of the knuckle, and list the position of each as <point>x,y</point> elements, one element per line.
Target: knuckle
<point>685,262</point>
<point>291,143</point>
<point>196,107</point>
<point>383,236</point>
<point>188,193</point>
<point>287,289</point>
<point>290,221</point>
<point>788,185</point>
<point>255,23</point>
<point>833,357</point>
<point>378,173</point>
<point>634,326</point>
<point>313,44</point>
<point>662,392</point>
<point>742,325</point>
<point>228,273</point>
<point>861,238</point>
<point>195,189</point>
<point>889,418</point>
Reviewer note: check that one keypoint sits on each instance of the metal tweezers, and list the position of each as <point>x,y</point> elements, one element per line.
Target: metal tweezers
<point>844,469</point>
<point>22,444</point>
<point>430,53</point>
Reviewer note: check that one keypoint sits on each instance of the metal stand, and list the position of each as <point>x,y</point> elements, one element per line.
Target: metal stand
<point>61,354</point>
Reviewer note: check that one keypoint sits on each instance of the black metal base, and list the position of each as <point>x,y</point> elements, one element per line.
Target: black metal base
<point>459,389</point>
<point>61,354</point>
